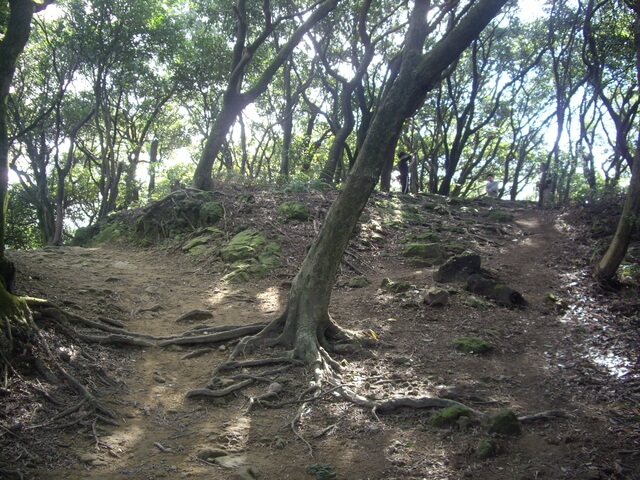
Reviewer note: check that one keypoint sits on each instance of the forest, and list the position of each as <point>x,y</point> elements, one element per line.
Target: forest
<point>170,122</point>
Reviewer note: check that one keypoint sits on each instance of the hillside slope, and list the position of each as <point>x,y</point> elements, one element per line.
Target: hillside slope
<point>570,352</point>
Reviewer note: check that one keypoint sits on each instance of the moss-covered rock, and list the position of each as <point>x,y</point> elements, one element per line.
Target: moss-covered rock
<point>244,245</point>
<point>499,292</point>
<point>294,211</point>
<point>396,287</point>
<point>448,416</point>
<point>434,297</point>
<point>210,213</point>
<point>359,282</point>
<point>499,216</point>
<point>249,254</point>
<point>471,345</point>
<point>458,267</point>
<point>504,422</point>
<point>486,449</point>
<point>423,250</point>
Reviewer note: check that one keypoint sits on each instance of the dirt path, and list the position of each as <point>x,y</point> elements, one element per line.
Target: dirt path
<point>161,433</point>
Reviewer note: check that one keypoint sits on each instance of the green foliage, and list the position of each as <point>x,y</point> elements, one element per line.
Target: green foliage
<point>504,422</point>
<point>322,472</point>
<point>471,345</point>
<point>448,416</point>
<point>294,211</point>
<point>22,230</point>
<point>4,15</point>
<point>172,178</point>
<point>486,449</point>
<point>499,216</point>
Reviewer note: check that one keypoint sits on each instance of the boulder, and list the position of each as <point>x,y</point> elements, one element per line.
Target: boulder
<point>458,268</point>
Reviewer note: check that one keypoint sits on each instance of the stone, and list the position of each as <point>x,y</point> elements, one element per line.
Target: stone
<point>504,422</point>
<point>210,454</point>
<point>423,250</point>
<point>435,297</point>
<point>471,345</point>
<point>449,416</point>
<point>231,461</point>
<point>502,294</point>
<point>294,211</point>
<point>458,268</point>
<point>359,282</point>
<point>248,473</point>
<point>486,449</point>
<point>395,287</point>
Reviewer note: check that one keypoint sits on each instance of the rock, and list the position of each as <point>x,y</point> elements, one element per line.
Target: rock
<point>434,297</point>
<point>449,416</point>
<point>195,315</point>
<point>88,458</point>
<point>458,268</point>
<point>499,292</point>
<point>395,287</point>
<point>423,250</point>
<point>486,449</point>
<point>248,473</point>
<point>471,345</point>
<point>210,454</point>
<point>504,422</point>
<point>294,211</point>
<point>231,461</point>
<point>359,282</point>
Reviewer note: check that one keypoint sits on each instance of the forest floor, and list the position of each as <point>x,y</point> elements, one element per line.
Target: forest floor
<point>573,348</point>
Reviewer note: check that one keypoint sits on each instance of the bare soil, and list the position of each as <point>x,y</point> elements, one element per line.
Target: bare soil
<point>576,354</point>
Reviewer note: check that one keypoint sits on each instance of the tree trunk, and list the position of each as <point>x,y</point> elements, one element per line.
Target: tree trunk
<point>11,46</point>
<point>628,223</point>
<point>14,315</point>
<point>306,315</point>
<point>234,101</point>
<point>630,218</point>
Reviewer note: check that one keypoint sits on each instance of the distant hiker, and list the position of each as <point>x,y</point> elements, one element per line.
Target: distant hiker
<point>492,186</point>
<point>403,168</point>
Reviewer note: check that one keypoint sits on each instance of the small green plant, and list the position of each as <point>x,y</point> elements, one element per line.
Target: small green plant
<point>321,472</point>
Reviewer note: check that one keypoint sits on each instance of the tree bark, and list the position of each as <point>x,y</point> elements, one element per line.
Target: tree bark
<point>630,218</point>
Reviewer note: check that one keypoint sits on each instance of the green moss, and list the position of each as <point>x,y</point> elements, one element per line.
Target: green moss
<point>246,198</point>
<point>504,422</point>
<point>210,213</point>
<point>499,216</point>
<point>448,416</point>
<point>396,287</point>
<point>244,245</point>
<point>486,449</point>
<point>423,250</point>
<point>250,254</point>
<point>359,282</point>
<point>294,211</point>
<point>471,345</point>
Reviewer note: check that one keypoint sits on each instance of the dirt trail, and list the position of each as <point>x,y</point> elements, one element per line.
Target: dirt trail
<point>160,432</point>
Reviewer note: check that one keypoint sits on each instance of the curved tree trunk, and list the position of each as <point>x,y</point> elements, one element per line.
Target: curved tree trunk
<point>630,218</point>
<point>628,223</point>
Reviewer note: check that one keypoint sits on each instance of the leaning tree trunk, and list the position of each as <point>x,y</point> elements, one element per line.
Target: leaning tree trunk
<point>305,324</point>
<point>628,223</point>
<point>630,218</point>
